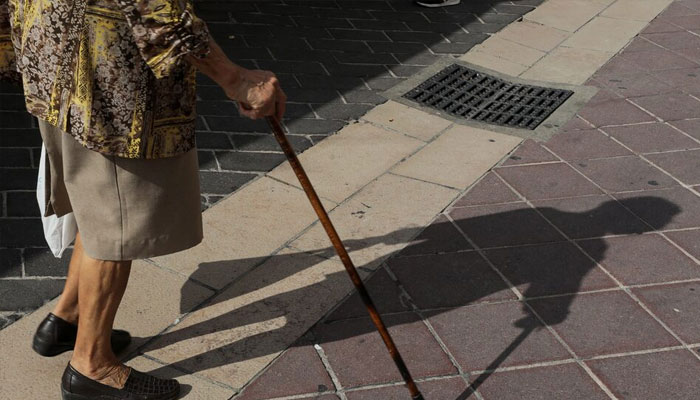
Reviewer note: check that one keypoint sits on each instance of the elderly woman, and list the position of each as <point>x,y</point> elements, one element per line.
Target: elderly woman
<point>112,83</point>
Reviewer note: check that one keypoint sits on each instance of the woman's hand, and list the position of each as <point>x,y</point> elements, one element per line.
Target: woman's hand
<point>258,94</point>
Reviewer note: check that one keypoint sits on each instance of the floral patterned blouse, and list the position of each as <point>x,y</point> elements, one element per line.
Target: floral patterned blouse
<point>111,73</point>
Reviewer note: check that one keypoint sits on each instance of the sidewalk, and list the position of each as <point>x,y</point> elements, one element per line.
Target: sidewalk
<point>333,59</point>
<point>566,268</point>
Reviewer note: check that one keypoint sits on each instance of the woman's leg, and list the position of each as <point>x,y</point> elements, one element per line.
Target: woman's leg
<point>101,285</point>
<point>67,306</point>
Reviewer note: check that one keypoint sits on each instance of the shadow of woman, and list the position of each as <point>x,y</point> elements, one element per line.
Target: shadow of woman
<point>433,276</point>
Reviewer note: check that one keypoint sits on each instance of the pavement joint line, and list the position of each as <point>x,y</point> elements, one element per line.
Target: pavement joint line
<point>635,353</point>
<point>605,270</point>
<point>421,315</point>
<point>520,297</point>
<point>329,369</point>
<point>424,181</point>
<point>390,129</point>
<point>525,366</point>
<point>681,131</point>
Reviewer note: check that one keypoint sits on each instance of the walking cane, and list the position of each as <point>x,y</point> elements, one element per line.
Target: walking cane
<point>340,249</point>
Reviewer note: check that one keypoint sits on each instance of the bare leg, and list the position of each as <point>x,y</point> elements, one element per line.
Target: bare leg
<point>100,290</point>
<point>67,306</point>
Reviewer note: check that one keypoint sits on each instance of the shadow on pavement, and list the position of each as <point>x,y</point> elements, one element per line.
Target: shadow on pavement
<point>544,271</point>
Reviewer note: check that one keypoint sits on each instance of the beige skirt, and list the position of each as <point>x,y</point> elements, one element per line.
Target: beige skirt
<point>125,209</point>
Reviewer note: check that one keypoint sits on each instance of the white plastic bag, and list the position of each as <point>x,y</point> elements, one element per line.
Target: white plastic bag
<point>59,232</point>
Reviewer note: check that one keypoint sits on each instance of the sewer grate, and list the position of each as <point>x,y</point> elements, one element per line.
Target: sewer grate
<point>471,94</point>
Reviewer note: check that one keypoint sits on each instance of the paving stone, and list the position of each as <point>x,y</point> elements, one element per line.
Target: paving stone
<point>358,356</point>
<point>207,160</point>
<point>550,382</point>
<point>213,140</point>
<point>458,157</point>
<point>449,388</point>
<point>674,40</point>
<point>28,137</point>
<point>682,22</point>
<point>453,48</point>
<point>489,190</point>
<point>669,374</point>
<point>216,108</point>
<point>567,65</point>
<point>246,326</point>
<point>593,216</point>
<point>615,112</point>
<point>682,80</point>
<point>381,218</point>
<point>249,162</point>
<point>633,84</point>
<point>658,25</point>
<point>314,126</point>
<point>463,278</point>
<point>649,138</point>
<point>222,183</point>
<point>18,178</point>
<point>677,305</point>
<point>683,165</point>
<point>670,107</point>
<point>439,237</point>
<point>575,124</point>
<point>605,34</point>
<point>688,240</point>
<point>504,225</point>
<point>42,262</point>
<point>565,15</point>
<point>16,119</point>
<point>510,51</point>
<point>22,204</point>
<point>10,263</point>
<point>549,269</point>
<point>28,294</point>
<point>639,43</point>
<point>268,142</point>
<point>255,218</point>
<point>657,60</point>
<point>487,336</point>
<point>546,181</point>
<point>689,126</point>
<point>407,120</point>
<point>682,207</point>
<point>624,174</point>
<point>237,124</point>
<point>642,259</point>
<point>22,232</point>
<point>602,323</point>
<point>629,9</point>
<point>325,82</point>
<point>339,111</point>
<point>494,63</point>
<point>15,158</point>
<point>530,152</point>
<point>534,35</point>
<point>297,371</point>
<point>585,144</point>
<point>364,149</point>
<point>385,294</point>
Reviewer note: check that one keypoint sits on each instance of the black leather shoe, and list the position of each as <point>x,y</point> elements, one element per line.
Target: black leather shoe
<point>55,336</point>
<point>139,386</point>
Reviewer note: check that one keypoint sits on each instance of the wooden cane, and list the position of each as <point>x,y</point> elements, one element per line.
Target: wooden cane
<point>340,249</point>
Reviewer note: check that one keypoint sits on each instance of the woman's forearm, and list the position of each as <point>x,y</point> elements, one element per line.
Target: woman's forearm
<point>217,66</point>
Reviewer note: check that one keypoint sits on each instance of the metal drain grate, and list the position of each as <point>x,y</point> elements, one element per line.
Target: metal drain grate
<point>474,95</point>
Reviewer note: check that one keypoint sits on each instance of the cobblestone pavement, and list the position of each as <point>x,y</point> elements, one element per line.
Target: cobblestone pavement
<point>333,57</point>
<point>570,271</point>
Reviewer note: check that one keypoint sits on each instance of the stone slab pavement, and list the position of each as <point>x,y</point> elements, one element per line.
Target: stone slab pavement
<point>568,270</point>
<point>332,57</point>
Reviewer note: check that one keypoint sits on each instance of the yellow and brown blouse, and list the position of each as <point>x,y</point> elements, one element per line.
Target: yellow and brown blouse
<point>111,73</point>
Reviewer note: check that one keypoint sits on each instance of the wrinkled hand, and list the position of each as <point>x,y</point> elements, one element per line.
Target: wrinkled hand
<point>258,94</point>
